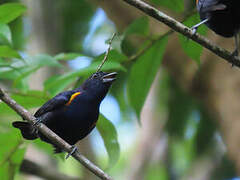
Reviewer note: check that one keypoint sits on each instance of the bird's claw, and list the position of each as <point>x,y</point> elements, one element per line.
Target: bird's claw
<point>194,29</point>
<point>38,120</point>
<point>74,149</point>
<point>235,52</point>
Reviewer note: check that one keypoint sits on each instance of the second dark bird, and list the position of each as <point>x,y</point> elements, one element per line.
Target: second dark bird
<point>221,16</point>
<point>72,115</point>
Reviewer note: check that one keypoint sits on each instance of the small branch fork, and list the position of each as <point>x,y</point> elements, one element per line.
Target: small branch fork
<point>186,31</point>
<point>52,136</point>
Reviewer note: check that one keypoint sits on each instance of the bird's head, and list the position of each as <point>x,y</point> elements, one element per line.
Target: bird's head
<point>99,83</point>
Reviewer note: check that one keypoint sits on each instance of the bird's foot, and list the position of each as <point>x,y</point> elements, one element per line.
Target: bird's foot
<point>74,149</point>
<point>38,120</point>
<point>234,53</point>
<point>194,29</point>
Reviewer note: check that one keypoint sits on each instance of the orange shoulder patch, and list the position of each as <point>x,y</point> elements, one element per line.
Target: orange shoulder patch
<point>196,2</point>
<point>72,98</point>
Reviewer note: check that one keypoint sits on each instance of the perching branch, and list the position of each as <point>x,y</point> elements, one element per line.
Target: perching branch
<point>52,136</point>
<point>186,31</point>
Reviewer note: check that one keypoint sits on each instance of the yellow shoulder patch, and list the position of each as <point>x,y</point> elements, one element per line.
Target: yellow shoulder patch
<point>73,97</point>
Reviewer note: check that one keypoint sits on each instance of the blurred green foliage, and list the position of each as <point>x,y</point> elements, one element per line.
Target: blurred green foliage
<point>190,131</point>
<point>11,154</point>
<point>144,70</point>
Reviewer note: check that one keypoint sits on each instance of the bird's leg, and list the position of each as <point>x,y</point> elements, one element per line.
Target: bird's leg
<point>74,149</point>
<point>195,27</point>
<point>236,51</point>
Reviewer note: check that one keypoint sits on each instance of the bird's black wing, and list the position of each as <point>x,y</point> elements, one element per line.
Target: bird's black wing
<point>54,103</point>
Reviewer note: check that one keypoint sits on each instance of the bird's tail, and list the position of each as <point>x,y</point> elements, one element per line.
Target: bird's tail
<point>27,130</point>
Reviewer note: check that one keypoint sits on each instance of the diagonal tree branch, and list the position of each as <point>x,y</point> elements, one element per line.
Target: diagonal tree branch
<point>53,137</point>
<point>186,31</point>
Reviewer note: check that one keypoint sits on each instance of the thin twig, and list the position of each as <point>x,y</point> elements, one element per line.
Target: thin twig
<point>186,31</point>
<point>106,54</point>
<point>52,136</point>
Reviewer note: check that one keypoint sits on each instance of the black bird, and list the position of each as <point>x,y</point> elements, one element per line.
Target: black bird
<point>72,115</point>
<point>221,16</point>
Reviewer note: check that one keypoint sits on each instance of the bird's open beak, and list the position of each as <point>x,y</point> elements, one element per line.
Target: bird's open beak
<point>110,77</point>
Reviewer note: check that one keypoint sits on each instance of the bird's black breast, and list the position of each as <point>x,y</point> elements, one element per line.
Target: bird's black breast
<point>74,121</point>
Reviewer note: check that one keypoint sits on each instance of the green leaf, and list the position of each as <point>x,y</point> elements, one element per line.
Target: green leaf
<point>10,11</point>
<point>41,145</point>
<point>191,48</point>
<point>25,74</point>
<point>12,70</point>
<point>109,136</point>
<point>30,99</point>
<point>7,52</point>
<point>139,26</point>
<point>11,154</point>
<point>35,63</point>
<point>19,70</point>
<point>5,109</point>
<point>143,73</point>
<point>5,34</point>
<point>57,83</point>
<point>42,60</point>
<point>67,56</point>
<point>175,5</point>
